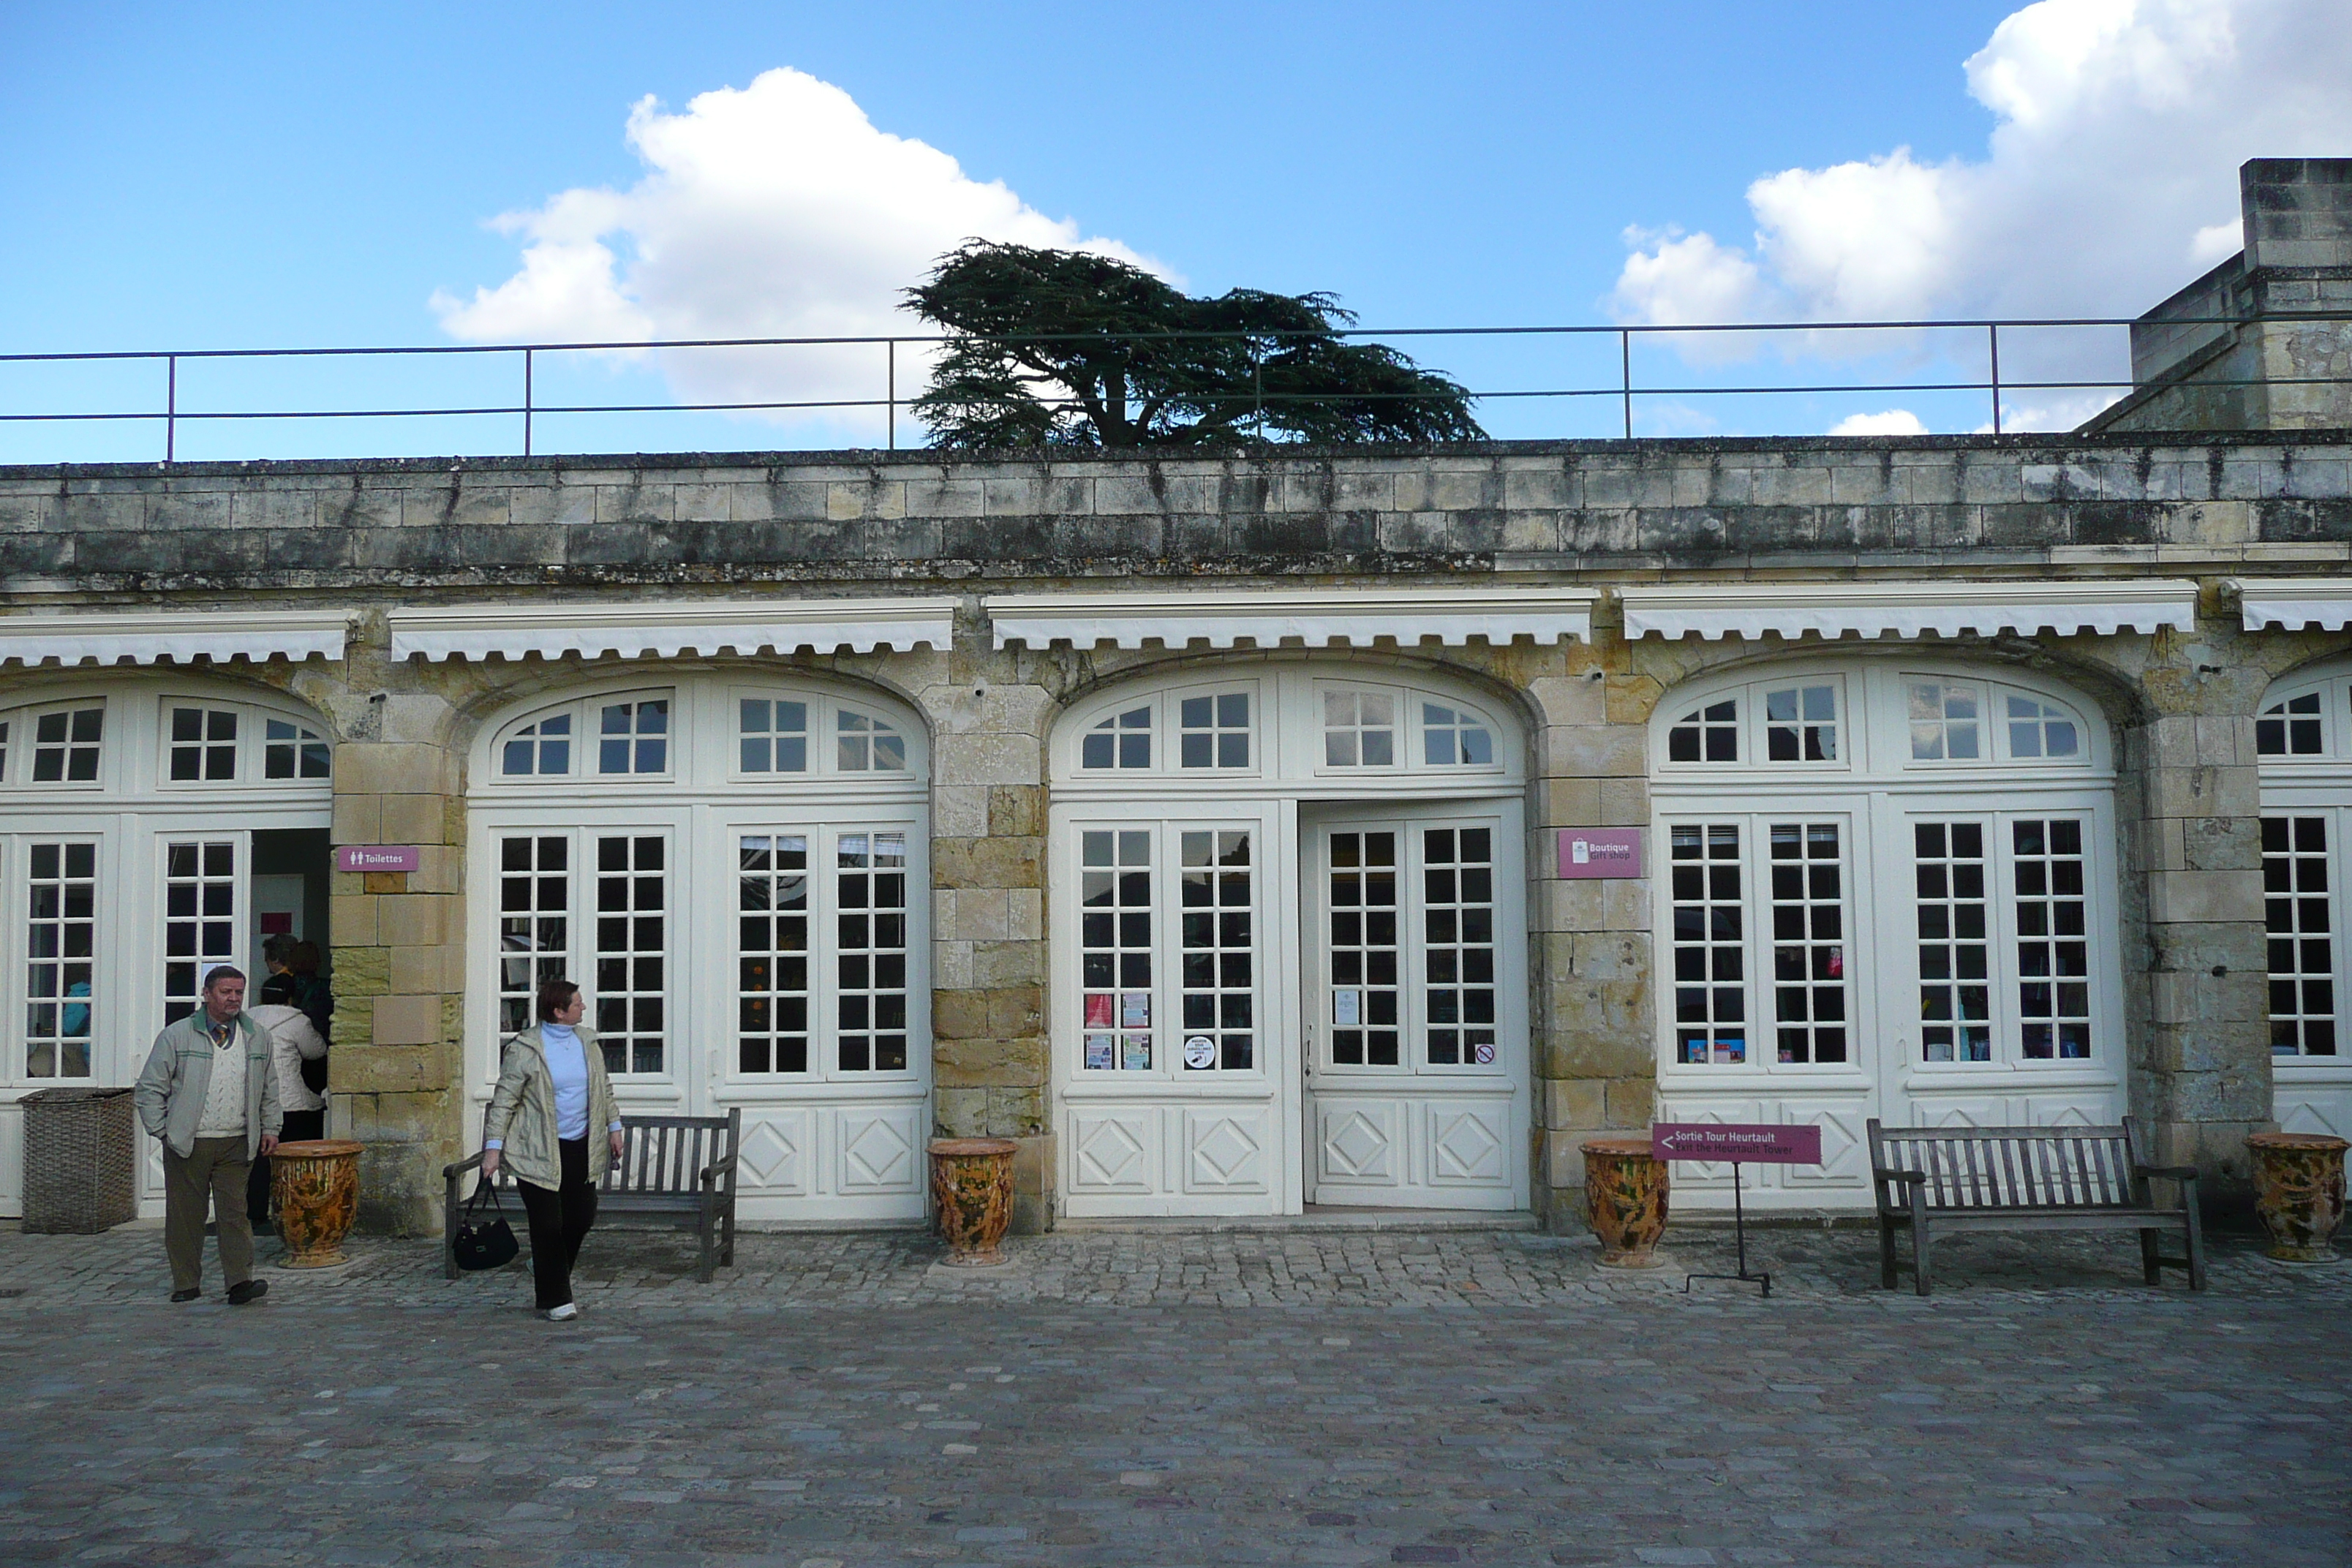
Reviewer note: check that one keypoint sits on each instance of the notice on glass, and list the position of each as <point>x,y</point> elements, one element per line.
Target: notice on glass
<point>1099,1053</point>
<point>1135,1010</point>
<point>1199,1051</point>
<point>1137,1057</point>
<point>1347,1006</point>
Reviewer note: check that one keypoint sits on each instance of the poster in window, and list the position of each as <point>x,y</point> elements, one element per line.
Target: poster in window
<point>1098,1009</point>
<point>1099,1058</point>
<point>1137,1054</point>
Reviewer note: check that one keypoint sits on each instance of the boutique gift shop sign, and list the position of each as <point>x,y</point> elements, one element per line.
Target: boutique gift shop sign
<point>1586,852</point>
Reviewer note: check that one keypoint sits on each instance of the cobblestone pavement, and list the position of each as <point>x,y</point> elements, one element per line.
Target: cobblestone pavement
<point>1160,1398</point>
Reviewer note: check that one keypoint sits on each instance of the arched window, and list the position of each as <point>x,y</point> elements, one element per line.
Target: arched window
<point>2303,742</point>
<point>1884,889</point>
<point>733,868</point>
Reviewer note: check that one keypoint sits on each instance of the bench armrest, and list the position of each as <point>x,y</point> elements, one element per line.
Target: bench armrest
<point>2168,1173</point>
<point>471,1163</point>
<point>1920,1176</point>
<point>710,1175</point>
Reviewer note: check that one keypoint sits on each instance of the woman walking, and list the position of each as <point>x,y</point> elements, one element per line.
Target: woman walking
<point>551,1092</point>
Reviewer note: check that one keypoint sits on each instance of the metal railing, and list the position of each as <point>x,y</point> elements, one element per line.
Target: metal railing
<point>1623,388</point>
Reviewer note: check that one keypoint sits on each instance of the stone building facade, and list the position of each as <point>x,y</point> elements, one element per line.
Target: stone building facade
<point>1241,833</point>
<point>885,795</point>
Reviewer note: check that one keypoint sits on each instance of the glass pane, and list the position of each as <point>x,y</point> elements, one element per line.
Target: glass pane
<point>1709,943</point>
<point>1115,943</point>
<point>1218,998</point>
<point>1365,1007</point>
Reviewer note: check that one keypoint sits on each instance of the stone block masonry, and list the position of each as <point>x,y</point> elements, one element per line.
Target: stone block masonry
<point>366,536</point>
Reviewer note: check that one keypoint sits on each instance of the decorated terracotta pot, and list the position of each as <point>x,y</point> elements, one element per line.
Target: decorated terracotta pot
<point>971,1187</point>
<point>316,1183</point>
<point>1625,1200</point>
<point>2299,1192</point>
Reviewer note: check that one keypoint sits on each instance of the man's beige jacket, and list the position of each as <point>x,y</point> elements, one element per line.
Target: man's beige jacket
<point>170,1093</point>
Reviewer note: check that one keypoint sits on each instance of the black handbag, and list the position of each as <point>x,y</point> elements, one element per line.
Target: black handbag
<point>485,1243</point>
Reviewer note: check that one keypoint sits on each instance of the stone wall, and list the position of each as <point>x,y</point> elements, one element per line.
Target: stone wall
<point>368,535</point>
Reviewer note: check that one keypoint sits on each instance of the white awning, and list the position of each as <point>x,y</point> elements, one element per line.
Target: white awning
<point>154,637</point>
<point>666,630</point>
<point>2292,604</point>
<point>1941,609</point>
<point>1317,617</point>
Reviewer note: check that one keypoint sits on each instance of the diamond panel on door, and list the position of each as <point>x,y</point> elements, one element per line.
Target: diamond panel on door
<point>1114,1151</point>
<point>1225,1151</point>
<point>878,1150</point>
<point>1356,1143</point>
<point>775,1158</point>
<point>1845,1149</point>
<point>1469,1144</point>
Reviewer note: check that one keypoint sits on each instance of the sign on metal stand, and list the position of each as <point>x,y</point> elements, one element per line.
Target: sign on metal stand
<point>1739,1142</point>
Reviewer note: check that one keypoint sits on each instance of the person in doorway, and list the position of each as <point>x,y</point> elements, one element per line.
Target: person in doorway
<point>278,957</point>
<point>552,1096</point>
<point>295,1044</point>
<point>295,981</point>
<point>210,1092</point>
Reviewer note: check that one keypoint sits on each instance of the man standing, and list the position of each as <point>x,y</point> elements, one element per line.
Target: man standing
<point>209,1091</point>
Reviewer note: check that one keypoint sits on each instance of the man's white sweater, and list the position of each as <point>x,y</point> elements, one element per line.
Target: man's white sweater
<point>224,1115</point>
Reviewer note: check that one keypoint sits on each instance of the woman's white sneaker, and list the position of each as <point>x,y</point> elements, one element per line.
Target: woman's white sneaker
<point>563,1314</point>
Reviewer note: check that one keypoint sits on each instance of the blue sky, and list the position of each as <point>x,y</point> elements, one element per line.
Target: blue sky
<point>246,176</point>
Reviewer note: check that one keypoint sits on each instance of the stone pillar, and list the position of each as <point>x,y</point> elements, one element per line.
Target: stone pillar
<point>1595,1057</point>
<point>990,1059</point>
<point>2201,1068</point>
<point>399,943</point>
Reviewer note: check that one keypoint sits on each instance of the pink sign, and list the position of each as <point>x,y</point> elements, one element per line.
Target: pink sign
<point>378,858</point>
<point>1757,1142</point>
<point>1600,852</point>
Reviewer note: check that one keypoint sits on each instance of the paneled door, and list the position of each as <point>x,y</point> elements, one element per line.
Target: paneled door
<point>1415,1003</point>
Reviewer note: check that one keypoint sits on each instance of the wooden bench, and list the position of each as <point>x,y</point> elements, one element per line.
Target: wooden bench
<point>2026,1178</point>
<point>678,1170</point>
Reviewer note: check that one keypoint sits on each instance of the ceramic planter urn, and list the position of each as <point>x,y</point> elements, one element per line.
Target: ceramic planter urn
<point>1625,1200</point>
<point>971,1187</point>
<point>2299,1192</point>
<point>316,1183</point>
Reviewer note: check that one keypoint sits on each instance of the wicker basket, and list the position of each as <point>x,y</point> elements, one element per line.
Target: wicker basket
<point>80,1160</point>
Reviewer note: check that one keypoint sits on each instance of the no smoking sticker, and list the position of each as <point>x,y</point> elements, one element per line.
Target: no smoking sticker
<point>1483,1054</point>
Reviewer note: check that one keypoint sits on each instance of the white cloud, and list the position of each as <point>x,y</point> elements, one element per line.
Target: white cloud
<point>1894,422</point>
<point>2110,181</point>
<point>774,210</point>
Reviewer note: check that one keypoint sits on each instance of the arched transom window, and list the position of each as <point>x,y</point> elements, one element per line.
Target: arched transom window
<point>1294,725</point>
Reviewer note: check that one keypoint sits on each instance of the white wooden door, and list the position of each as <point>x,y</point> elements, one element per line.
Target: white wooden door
<point>1175,1018</point>
<point>1415,1039</point>
<point>2008,1012</point>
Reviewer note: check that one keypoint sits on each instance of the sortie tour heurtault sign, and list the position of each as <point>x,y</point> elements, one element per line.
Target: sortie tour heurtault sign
<point>1751,1142</point>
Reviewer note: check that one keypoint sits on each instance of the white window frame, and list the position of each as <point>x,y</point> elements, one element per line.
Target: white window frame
<point>2314,1093</point>
<point>1879,791</point>
<point>587,714</point>
<point>252,743</point>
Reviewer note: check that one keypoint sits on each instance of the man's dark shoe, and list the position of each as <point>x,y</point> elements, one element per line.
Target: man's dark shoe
<point>251,1290</point>
<point>187,1295</point>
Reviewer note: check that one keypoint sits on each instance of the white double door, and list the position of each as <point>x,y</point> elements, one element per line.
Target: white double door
<point>1264,1004</point>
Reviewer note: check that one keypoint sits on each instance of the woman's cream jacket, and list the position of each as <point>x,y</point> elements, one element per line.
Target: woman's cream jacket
<point>522,1111</point>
